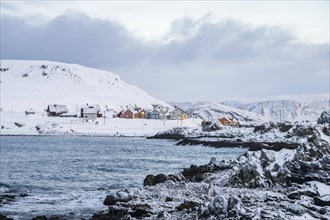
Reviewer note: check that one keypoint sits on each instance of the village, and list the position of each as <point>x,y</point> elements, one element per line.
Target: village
<point>91,113</point>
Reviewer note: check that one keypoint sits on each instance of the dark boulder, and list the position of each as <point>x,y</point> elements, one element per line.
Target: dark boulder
<point>284,127</point>
<point>140,211</point>
<point>190,205</point>
<point>322,201</point>
<point>112,200</point>
<point>303,192</point>
<point>198,173</point>
<point>152,180</point>
<point>114,213</point>
<point>324,118</point>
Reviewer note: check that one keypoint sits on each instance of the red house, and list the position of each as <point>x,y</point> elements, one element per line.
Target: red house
<point>128,114</point>
<point>120,114</point>
<point>125,114</point>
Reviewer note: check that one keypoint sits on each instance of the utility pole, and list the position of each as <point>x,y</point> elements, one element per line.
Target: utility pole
<point>181,119</point>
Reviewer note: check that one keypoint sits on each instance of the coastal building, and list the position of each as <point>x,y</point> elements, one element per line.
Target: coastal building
<point>127,114</point>
<point>96,108</point>
<point>178,114</point>
<point>140,114</point>
<point>225,121</point>
<point>90,114</point>
<point>153,114</point>
<point>56,110</point>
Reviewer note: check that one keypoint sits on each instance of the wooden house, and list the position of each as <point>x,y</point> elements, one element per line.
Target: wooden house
<point>140,114</point>
<point>56,110</point>
<point>90,114</point>
<point>120,114</point>
<point>154,114</point>
<point>85,107</point>
<point>228,121</point>
<point>127,114</point>
<point>178,114</point>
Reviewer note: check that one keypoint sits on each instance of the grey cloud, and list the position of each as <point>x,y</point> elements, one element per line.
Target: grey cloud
<point>212,61</point>
<point>76,39</point>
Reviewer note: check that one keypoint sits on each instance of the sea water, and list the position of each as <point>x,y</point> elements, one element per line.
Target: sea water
<point>69,176</point>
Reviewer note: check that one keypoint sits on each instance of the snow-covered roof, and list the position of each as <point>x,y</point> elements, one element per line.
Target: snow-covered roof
<point>57,108</point>
<point>90,106</point>
<point>90,111</point>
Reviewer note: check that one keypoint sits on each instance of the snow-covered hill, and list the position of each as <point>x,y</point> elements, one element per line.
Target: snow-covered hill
<point>286,108</point>
<point>280,108</point>
<point>35,84</point>
<point>214,111</point>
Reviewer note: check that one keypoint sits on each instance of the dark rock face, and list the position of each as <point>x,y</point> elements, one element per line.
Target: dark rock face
<point>305,192</point>
<point>322,201</point>
<point>114,213</point>
<point>117,198</point>
<point>175,134</point>
<point>311,162</point>
<point>211,127</point>
<point>324,118</point>
<point>152,180</point>
<point>112,200</point>
<point>19,124</point>
<point>266,127</point>
<point>190,205</point>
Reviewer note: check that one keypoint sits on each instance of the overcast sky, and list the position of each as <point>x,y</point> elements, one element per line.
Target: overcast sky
<point>180,50</point>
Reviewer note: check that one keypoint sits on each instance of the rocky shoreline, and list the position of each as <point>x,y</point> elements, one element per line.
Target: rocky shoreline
<point>287,183</point>
<point>285,174</point>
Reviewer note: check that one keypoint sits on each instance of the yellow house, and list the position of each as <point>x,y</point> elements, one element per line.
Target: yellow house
<point>140,114</point>
<point>184,116</point>
<point>228,121</point>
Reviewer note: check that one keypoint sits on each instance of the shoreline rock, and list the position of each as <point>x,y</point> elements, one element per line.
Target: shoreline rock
<point>268,183</point>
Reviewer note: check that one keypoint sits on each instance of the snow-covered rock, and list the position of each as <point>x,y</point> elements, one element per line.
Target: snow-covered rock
<point>263,184</point>
<point>324,118</point>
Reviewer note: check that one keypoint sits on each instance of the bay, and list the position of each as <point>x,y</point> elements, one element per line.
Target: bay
<point>69,176</point>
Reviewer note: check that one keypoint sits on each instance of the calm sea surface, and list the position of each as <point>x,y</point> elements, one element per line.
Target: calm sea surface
<point>69,176</point>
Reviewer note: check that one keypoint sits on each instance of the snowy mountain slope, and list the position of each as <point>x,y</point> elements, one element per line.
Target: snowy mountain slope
<point>35,84</point>
<point>214,111</point>
<point>286,108</point>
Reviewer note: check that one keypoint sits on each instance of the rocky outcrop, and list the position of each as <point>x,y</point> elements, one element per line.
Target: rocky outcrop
<point>261,184</point>
<point>19,124</point>
<point>252,145</point>
<point>152,180</point>
<point>324,118</point>
<point>175,134</point>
